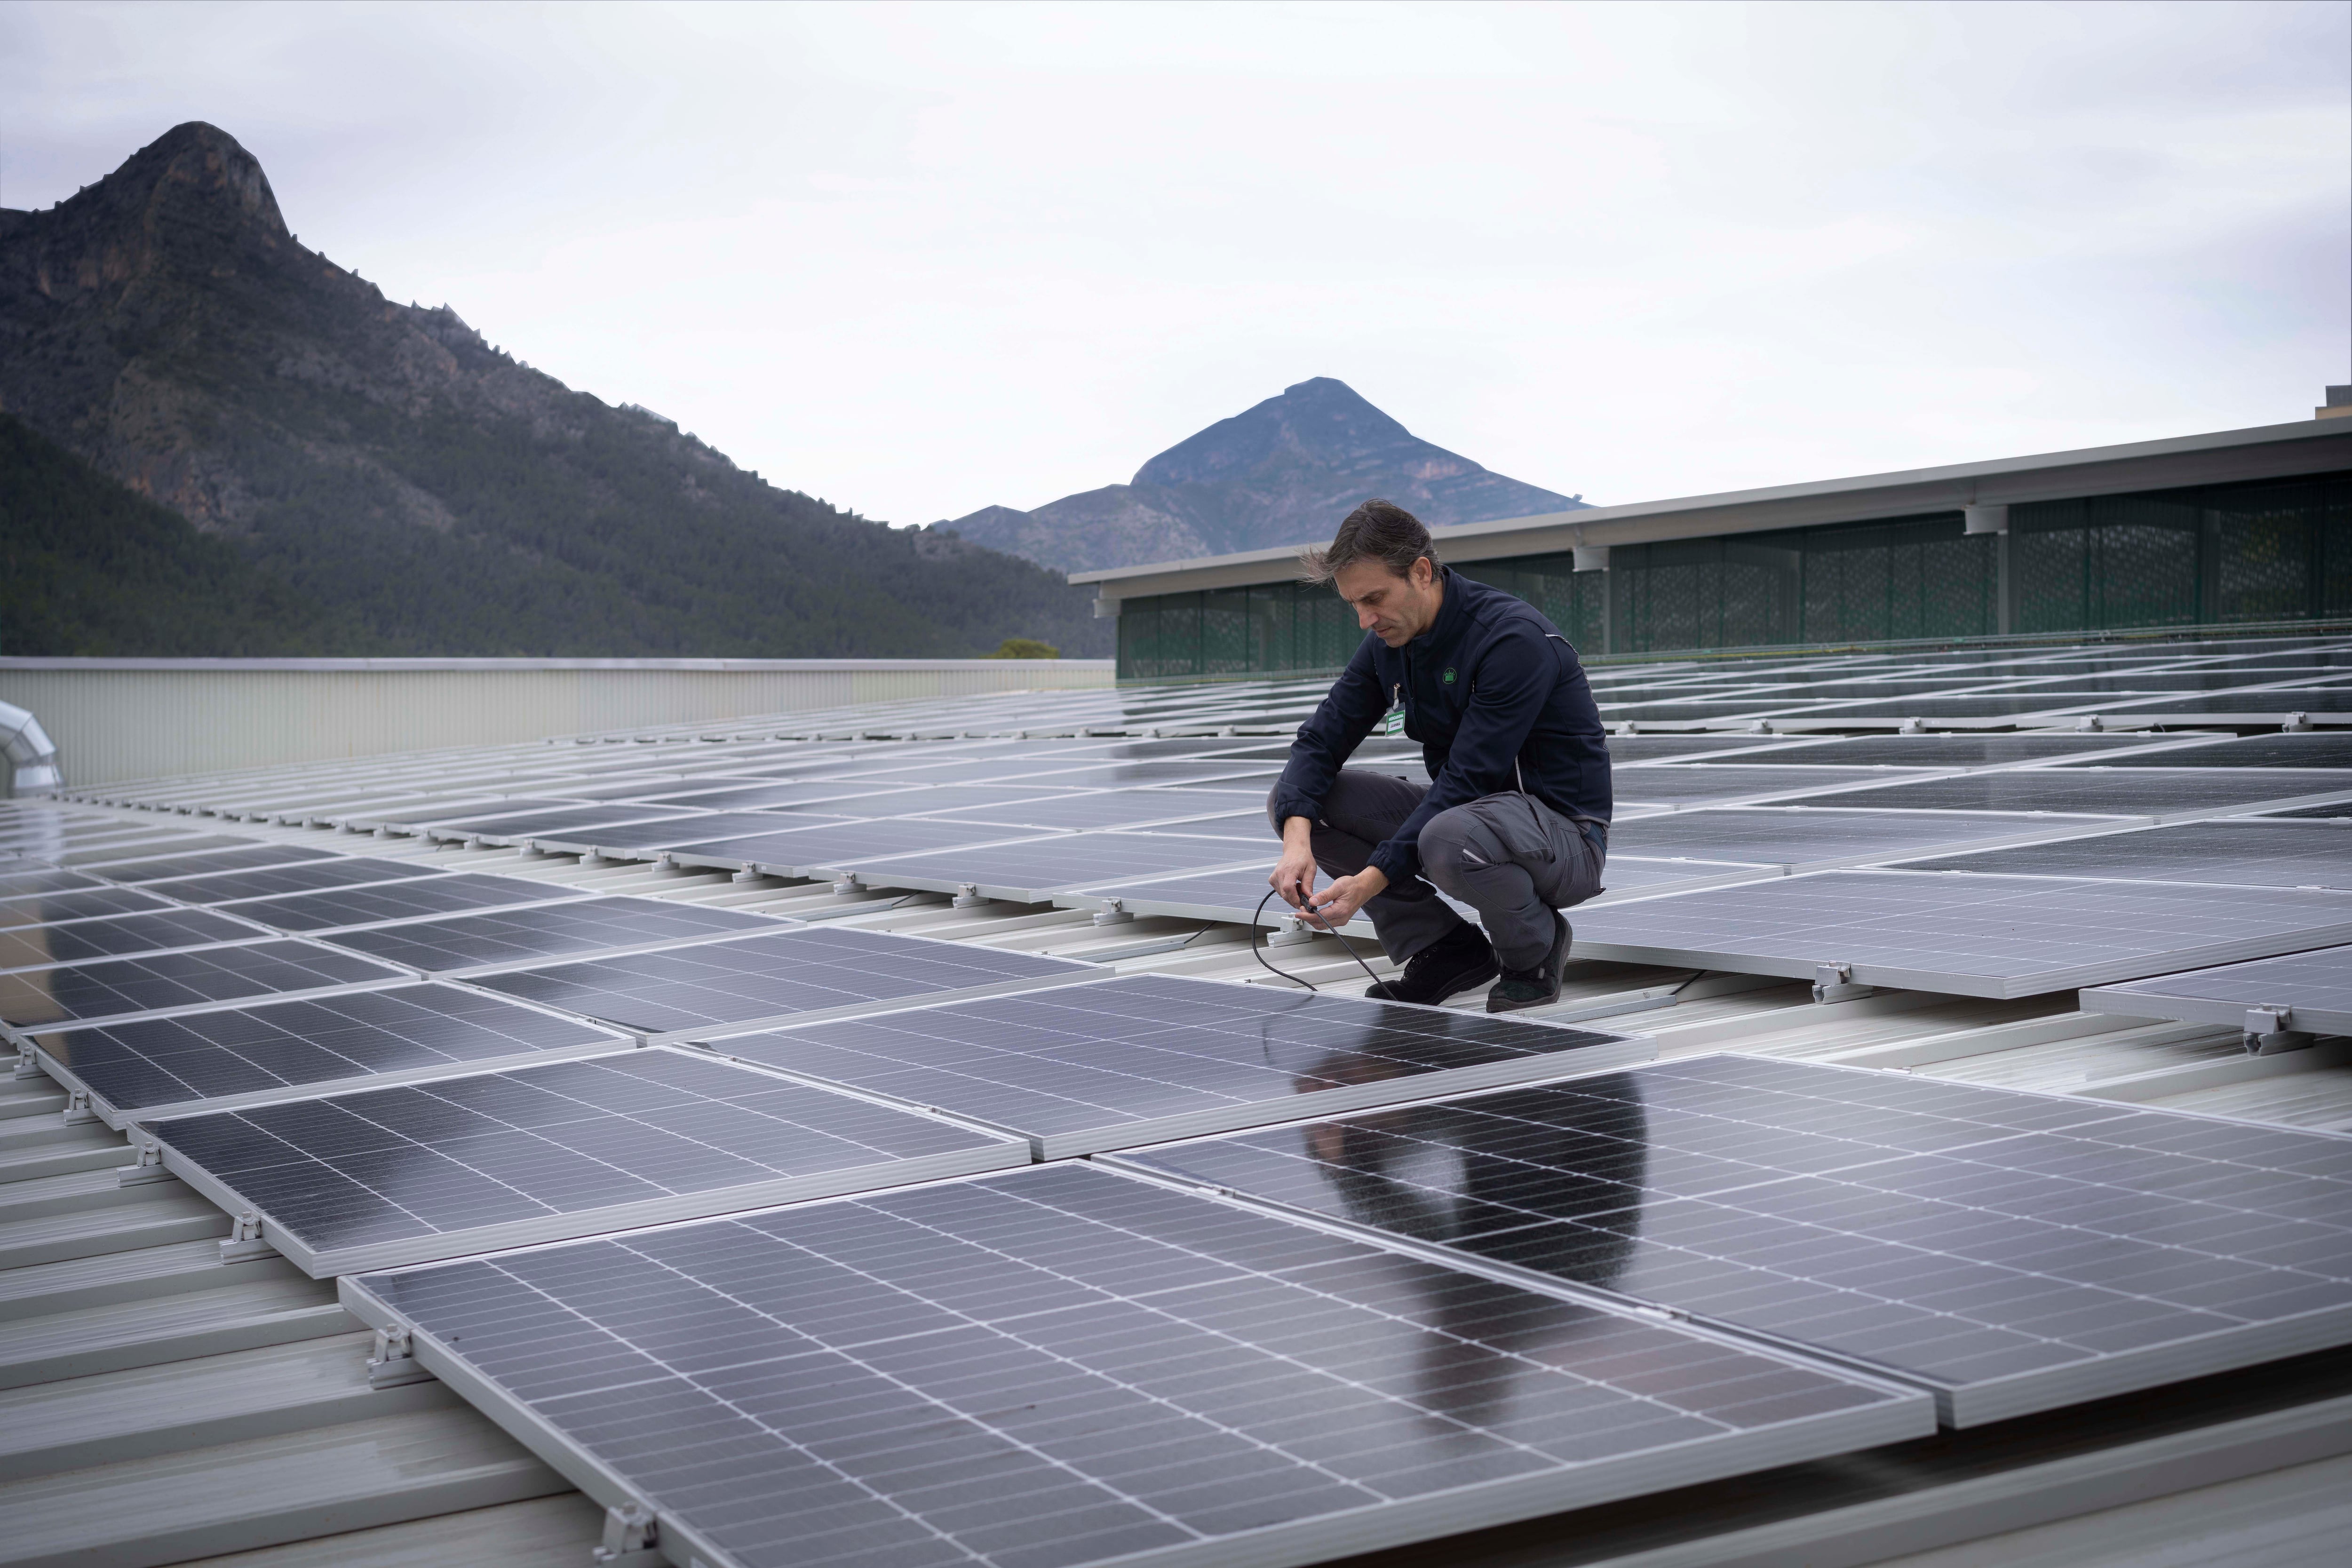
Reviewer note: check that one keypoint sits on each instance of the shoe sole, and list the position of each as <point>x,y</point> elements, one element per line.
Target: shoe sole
<point>1469,982</point>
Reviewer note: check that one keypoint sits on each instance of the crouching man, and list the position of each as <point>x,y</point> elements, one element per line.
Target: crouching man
<point>1515,821</point>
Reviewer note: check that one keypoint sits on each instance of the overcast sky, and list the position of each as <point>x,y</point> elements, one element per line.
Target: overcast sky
<point>918,259</point>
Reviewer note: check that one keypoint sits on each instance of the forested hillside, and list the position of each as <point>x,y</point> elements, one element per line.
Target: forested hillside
<point>424,492</point>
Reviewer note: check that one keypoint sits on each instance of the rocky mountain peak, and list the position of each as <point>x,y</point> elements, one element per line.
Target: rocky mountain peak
<point>1320,420</point>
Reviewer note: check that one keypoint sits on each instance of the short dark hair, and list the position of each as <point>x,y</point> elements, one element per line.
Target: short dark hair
<point>1377,531</point>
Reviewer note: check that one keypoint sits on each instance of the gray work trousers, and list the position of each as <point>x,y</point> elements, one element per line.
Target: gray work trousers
<point>1509,856</point>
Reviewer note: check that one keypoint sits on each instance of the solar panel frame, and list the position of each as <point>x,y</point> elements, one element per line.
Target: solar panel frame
<point>117,1105</point>
<point>2038,1120</point>
<point>1027,872</point>
<point>1823,1413</point>
<point>581,986</point>
<point>295,877</point>
<point>223,855</point>
<point>969,1150</point>
<point>1777,926</point>
<point>2314,988</point>
<point>77,904</point>
<point>2248,851</point>
<point>820,850</point>
<point>1159,1037</point>
<point>386,903</point>
<point>168,930</point>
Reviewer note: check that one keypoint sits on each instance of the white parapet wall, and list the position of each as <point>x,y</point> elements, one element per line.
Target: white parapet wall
<point>115,719</point>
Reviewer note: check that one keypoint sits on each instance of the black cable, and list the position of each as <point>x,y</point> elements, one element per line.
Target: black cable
<point>1256,952</point>
<point>1695,977</point>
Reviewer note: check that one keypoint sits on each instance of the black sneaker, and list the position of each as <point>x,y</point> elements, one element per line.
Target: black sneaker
<point>1537,987</point>
<point>1456,962</point>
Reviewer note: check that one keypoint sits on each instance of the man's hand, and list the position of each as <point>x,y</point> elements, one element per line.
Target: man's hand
<point>1294,873</point>
<point>1336,905</point>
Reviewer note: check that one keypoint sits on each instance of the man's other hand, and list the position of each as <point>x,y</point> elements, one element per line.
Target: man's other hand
<point>1294,873</point>
<point>1336,905</point>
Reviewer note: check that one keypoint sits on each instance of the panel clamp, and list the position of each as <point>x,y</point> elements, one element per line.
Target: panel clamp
<point>28,1062</point>
<point>632,1535</point>
<point>845,885</point>
<point>150,1167</point>
<point>79,1109</point>
<point>394,1362</point>
<point>968,897</point>
<point>1113,912</point>
<point>2270,1031</point>
<point>1834,983</point>
<point>1292,932</point>
<point>243,1242</point>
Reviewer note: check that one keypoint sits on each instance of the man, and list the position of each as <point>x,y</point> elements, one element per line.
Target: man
<point>1515,821</point>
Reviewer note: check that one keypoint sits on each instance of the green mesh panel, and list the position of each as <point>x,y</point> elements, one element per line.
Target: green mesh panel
<point>2267,539</point>
<point>2335,550</point>
<point>1224,632</point>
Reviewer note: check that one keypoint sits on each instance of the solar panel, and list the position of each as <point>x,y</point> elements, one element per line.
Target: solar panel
<point>2140,792</point>
<point>116,987</point>
<point>1064,1366</point>
<point>1674,783</point>
<point>814,850</point>
<point>1080,1068</point>
<point>1032,871</point>
<point>157,851</point>
<point>243,855</point>
<point>379,1177</point>
<point>2312,991</point>
<point>1970,936</point>
<point>453,807</point>
<point>1249,827</point>
<point>513,828</point>
<point>2011,1252</point>
<point>157,931</point>
<point>2316,749</point>
<point>1228,895</point>
<point>303,877</point>
<point>1941,751</point>
<point>642,839</point>
<point>425,896</point>
<point>28,884</point>
<point>744,796</point>
<point>1114,808</point>
<point>2332,811</point>
<point>747,981</point>
<point>2251,707</point>
<point>2249,852</point>
<point>86,903</point>
<point>543,930</point>
<point>241,1055</point>
<point>1768,835</point>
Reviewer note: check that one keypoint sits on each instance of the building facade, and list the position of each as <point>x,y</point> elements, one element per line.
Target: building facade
<point>2234,527</point>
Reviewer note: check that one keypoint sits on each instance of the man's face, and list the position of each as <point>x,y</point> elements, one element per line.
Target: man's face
<point>1392,608</point>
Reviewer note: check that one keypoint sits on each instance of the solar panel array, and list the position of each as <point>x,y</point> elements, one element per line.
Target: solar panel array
<point>539,1153</point>
<point>2010,1251</point>
<point>1327,1363</point>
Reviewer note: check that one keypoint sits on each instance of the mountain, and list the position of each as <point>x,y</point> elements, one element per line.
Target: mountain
<point>1284,472</point>
<point>90,568</point>
<point>425,492</point>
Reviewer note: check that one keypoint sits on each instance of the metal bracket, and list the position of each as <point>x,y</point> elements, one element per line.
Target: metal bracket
<point>79,1110</point>
<point>631,1534</point>
<point>967,896</point>
<point>1291,933</point>
<point>2270,1031</point>
<point>2297,722</point>
<point>1911,727</point>
<point>27,1064</point>
<point>2089,722</point>
<point>149,1168</point>
<point>748,874</point>
<point>1762,727</point>
<point>842,886</point>
<point>1113,912</point>
<point>394,1361</point>
<point>243,1242</point>
<point>1834,983</point>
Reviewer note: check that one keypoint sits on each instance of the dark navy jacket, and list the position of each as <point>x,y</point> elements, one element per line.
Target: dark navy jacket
<point>1497,701</point>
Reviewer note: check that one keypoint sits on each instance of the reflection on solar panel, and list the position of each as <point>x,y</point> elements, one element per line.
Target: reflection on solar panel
<point>1971,936</point>
<point>2011,1252</point>
<point>542,931</point>
<point>1938,750</point>
<point>1031,871</point>
<point>1673,782</point>
<point>2251,852</point>
<point>814,849</point>
<point>175,859</point>
<point>29,947</point>
<point>1063,1366</point>
<point>1114,808</point>
<point>1249,827</point>
<point>2139,792</point>
<point>743,981</point>
<point>513,828</point>
<point>639,838</point>
<point>744,796</point>
<point>114,987</point>
<point>397,901</point>
<point>2310,992</point>
<point>1229,895</point>
<point>438,1169</point>
<point>86,903</point>
<point>239,1056</point>
<point>304,877</point>
<point>1108,1066</point>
